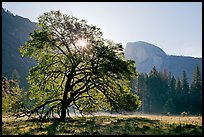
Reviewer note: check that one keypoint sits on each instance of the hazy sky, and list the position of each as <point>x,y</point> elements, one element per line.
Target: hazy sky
<point>176,27</point>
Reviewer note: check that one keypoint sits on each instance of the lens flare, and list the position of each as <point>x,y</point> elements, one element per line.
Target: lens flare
<point>81,43</point>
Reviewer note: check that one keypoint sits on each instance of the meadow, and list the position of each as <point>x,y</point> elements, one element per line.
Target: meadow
<point>134,124</point>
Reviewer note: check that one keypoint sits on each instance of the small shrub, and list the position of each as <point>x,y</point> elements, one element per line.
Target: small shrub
<point>184,113</point>
<point>168,113</point>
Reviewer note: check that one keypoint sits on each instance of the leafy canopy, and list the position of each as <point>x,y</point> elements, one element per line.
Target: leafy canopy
<point>11,95</point>
<point>77,67</point>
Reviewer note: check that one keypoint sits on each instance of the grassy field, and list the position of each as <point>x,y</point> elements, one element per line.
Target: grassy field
<point>106,125</point>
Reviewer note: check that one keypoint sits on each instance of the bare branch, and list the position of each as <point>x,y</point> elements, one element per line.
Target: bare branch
<point>51,109</point>
<point>47,102</point>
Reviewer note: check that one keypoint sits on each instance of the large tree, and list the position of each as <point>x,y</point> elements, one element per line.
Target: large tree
<point>77,68</point>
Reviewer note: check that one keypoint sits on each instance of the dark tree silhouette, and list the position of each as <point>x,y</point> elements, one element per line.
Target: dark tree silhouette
<point>196,92</point>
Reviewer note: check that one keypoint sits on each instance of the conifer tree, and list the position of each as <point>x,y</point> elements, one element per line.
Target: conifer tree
<point>185,93</point>
<point>196,92</point>
<point>178,101</point>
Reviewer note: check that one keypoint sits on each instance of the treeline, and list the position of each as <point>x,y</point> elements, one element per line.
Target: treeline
<point>162,93</point>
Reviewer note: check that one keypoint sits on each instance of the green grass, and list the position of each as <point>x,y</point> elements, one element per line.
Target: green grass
<point>99,125</point>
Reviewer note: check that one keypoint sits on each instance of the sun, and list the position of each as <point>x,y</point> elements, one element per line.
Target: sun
<point>81,43</point>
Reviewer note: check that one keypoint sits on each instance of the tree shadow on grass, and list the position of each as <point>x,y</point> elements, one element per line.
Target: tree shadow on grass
<point>50,130</point>
<point>58,126</point>
<point>109,126</point>
<point>113,126</point>
<point>134,126</point>
<point>92,126</point>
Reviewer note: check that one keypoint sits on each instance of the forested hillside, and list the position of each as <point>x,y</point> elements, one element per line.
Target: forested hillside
<point>15,32</point>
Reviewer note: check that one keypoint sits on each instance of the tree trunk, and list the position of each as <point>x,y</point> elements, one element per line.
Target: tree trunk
<point>65,102</point>
<point>64,108</point>
<point>63,111</point>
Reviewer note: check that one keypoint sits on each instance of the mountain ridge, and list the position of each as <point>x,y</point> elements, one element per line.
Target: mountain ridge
<point>147,55</point>
<point>15,32</point>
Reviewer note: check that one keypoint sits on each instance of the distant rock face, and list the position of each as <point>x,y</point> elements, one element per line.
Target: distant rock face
<point>147,55</point>
<point>15,32</point>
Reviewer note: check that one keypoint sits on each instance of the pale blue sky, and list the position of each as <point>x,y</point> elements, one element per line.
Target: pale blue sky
<point>176,27</point>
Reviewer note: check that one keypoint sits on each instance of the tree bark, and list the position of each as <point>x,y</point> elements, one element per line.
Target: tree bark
<point>65,102</point>
<point>63,111</point>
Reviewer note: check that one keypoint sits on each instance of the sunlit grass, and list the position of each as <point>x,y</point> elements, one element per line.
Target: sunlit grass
<point>106,125</point>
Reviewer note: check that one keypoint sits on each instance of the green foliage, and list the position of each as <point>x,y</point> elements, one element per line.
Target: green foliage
<point>11,96</point>
<point>196,91</point>
<point>129,102</point>
<point>161,93</point>
<point>88,77</point>
<point>185,85</point>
